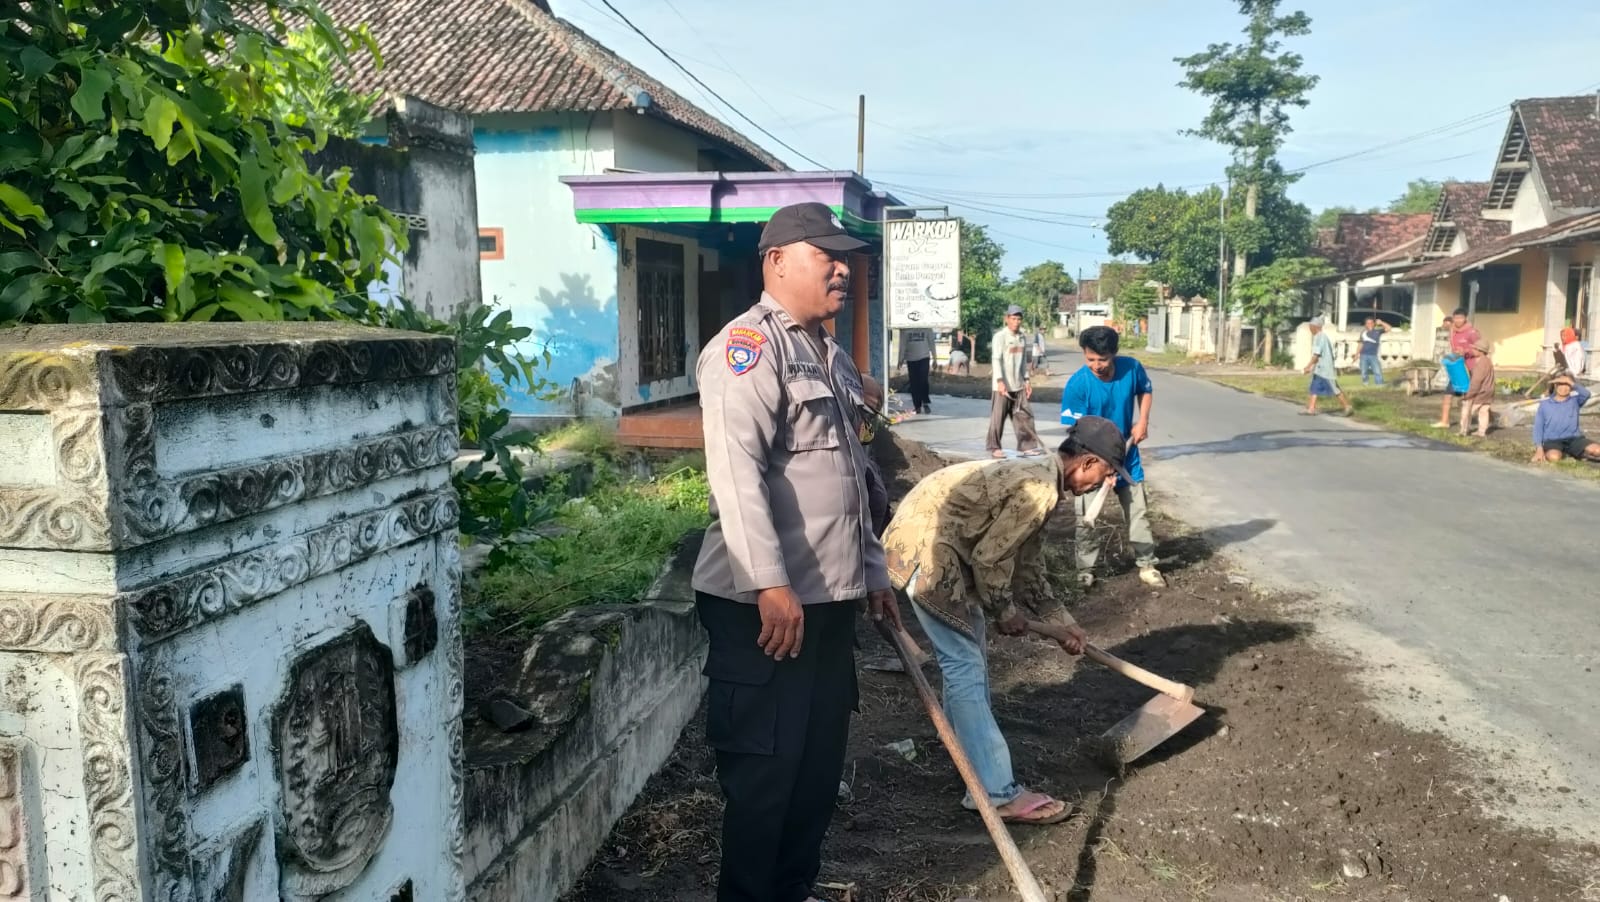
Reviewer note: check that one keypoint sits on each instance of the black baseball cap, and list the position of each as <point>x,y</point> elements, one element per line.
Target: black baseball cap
<point>812,223</point>
<point>1101,437</point>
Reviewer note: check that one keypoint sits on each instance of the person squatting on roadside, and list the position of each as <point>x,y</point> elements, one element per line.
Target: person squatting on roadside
<point>788,555</point>
<point>1119,389</point>
<point>1557,434</point>
<point>965,547</point>
<point>1008,352</point>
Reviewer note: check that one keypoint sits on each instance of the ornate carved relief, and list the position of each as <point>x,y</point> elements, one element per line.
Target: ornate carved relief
<point>55,624</point>
<point>165,610</point>
<point>44,381</point>
<point>221,876</point>
<point>336,742</point>
<point>44,518</point>
<point>163,766</point>
<point>454,657</point>
<point>107,778</point>
<point>14,874</point>
<point>155,510</point>
<point>175,373</point>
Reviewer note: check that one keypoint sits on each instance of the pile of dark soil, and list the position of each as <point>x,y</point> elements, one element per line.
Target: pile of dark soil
<point>1290,788</point>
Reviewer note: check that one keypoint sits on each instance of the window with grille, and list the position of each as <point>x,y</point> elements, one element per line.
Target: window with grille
<point>662,343</point>
<point>1498,289</point>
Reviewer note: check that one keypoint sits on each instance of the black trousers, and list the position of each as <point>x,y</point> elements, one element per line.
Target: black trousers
<point>917,373</point>
<point>779,729</point>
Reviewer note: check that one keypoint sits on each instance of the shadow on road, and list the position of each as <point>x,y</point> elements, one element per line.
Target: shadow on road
<point>1282,439</point>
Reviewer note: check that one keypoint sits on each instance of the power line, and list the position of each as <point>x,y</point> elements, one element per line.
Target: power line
<point>696,79</point>
<point>735,72</point>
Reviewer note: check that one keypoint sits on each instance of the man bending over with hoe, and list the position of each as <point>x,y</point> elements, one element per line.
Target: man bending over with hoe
<point>965,547</point>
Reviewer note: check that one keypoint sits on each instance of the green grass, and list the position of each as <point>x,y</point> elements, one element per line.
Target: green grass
<point>606,547</point>
<point>1392,409</point>
<point>1163,359</point>
<point>583,437</point>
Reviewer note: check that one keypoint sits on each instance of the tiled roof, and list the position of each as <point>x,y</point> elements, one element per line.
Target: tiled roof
<point>1360,238</point>
<point>1564,133</point>
<point>1464,206</point>
<point>1584,226</point>
<point>512,56</point>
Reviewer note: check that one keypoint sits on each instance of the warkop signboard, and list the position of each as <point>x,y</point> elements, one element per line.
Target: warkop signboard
<point>923,284</point>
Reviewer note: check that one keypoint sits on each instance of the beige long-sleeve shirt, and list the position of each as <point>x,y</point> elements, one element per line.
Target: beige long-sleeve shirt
<point>1008,356</point>
<point>972,533</point>
<point>788,485</point>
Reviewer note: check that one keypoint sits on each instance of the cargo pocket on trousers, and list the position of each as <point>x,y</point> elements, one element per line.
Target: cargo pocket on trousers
<point>741,703</point>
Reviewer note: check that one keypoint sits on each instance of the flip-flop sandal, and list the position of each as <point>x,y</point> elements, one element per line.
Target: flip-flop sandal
<point>1036,452</point>
<point>1021,817</point>
<point>997,455</point>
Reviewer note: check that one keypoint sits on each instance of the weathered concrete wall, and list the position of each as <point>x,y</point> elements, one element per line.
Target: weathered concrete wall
<point>230,661</point>
<point>424,173</point>
<point>610,689</point>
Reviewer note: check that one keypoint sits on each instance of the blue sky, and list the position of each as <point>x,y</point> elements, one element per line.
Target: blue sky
<point>1024,106</point>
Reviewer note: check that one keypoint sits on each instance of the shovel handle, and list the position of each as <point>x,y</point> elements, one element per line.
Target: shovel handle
<point>1179,691</point>
<point>906,647</point>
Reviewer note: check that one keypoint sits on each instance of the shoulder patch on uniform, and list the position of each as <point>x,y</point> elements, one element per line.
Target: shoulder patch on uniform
<point>743,349</point>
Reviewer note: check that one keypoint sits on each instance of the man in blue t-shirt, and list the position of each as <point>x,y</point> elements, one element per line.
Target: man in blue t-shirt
<point>1117,388</point>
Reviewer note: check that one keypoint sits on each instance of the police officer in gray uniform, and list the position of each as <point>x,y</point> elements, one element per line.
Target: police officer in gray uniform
<point>789,554</point>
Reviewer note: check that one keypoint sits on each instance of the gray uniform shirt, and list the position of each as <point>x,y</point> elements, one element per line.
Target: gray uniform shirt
<point>1009,358</point>
<point>788,478</point>
<point>915,344</point>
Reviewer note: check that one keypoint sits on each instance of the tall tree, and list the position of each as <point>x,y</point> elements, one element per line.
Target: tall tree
<point>1252,86</point>
<point>1176,232</point>
<point>1134,300</point>
<point>1421,196</point>
<point>1040,288</point>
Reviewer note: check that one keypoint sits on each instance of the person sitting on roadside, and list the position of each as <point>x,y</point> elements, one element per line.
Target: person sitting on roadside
<point>1463,335</point>
<point>1572,351</point>
<point>1557,434</point>
<point>1480,391</point>
<point>966,548</point>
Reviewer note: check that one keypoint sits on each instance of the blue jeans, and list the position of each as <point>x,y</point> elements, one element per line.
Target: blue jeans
<point>966,700</point>
<point>1370,364</point>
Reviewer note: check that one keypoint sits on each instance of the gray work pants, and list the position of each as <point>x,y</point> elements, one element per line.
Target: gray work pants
<point>1135,512</point>
<point>1016,407</point>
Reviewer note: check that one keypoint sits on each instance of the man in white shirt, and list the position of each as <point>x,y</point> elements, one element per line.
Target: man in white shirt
<point>916,355</point>
<point>1008,353</point>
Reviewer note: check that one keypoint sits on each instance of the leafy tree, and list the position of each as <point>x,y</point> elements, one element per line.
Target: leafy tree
<point>1134,301</point>
<point>146,175</point>
<point>1329,218</point>
<point>1117,275</point>
<point>1252,87</point>
<point>1271,294</point>
<point>1174,231</point>
<point>983,290</point>
<point>1421,196</point>
<point>1039,290</point>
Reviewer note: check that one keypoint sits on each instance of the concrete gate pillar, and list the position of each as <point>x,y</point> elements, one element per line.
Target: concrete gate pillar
<point>1555,303</point>
<point>230,662</point>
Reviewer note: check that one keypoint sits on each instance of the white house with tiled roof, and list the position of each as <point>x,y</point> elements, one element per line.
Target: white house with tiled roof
<point>549,101</point>
<point>1519,253</point>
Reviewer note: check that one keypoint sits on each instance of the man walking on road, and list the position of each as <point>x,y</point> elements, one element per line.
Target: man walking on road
<point>1008,358</point>
<point>1118,389</point>
<point>916,355</point>
<point>965,546</point>
<point>1324,375</point>
<point>789,552</point>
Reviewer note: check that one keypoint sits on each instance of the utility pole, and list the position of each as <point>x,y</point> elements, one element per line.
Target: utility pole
<point>1222,271</point>
<point>861,134</point>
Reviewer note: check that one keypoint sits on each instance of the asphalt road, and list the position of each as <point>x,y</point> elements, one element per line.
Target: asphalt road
<point>1469,589</point>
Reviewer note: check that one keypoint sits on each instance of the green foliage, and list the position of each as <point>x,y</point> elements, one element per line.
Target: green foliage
<point>983,290</point>
<point>146,175</point>
<point>1329,218</point>
<point>1252,86</point>
<point>1176,232</point>
<point>1117,275</point>
<point>496,506</point>
<point>604,548</point>
<point>582,437</point>
<point>1270,295</point>
<point>1039,289</point>
<point>1421,196</point>
<point>1135,301</point>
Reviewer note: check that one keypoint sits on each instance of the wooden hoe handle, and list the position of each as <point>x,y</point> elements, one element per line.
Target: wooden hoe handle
<point>910,654</point>
<point>1179,691</point>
